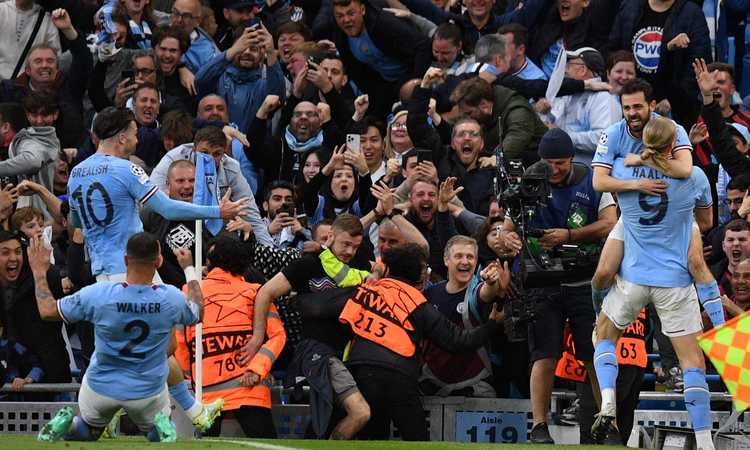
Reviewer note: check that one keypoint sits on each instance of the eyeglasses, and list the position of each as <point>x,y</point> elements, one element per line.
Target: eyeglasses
<point>734,201</point>
<point>185,16</point>
<point>144,72</point>
<point>398,126</point>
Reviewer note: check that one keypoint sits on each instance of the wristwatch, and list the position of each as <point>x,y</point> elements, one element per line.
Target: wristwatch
<point>395,212</point>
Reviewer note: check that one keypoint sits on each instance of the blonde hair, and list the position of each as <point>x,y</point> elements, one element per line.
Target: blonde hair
<point>658,137</point>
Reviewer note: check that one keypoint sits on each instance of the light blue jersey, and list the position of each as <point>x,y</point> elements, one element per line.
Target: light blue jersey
<point>105,193</point>
<point>658,229</point>
<point>132,326</point>
<point>617,142</point>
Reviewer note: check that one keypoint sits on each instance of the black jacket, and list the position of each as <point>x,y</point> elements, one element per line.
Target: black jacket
<point>588,30</point>
<point>725,151</point>
<point>428,323</point>
<point>675,80</point>
<point>477,183</point>
<point>68,88</point>
<point>396,38</point>
<point>274,156</point>
<point>20,315</point>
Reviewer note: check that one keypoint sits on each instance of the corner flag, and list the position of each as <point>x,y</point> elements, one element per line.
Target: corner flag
<point>728,348</point>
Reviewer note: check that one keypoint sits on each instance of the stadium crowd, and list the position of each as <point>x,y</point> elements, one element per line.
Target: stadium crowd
<point>366,228</point>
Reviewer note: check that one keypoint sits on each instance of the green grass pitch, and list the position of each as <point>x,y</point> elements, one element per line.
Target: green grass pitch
<point>25,442</point>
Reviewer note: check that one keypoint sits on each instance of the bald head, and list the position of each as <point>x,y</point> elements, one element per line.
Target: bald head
<point>186,14</point>
<point>212,107</point>
<point>389,236</point>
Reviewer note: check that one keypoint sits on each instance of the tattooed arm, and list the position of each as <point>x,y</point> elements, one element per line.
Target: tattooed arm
<point>38,256</point>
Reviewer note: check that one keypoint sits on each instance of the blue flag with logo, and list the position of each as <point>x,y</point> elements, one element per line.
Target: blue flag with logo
<point>205,190</point>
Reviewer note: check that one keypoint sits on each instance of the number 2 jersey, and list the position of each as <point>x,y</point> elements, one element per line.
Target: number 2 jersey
<point>105,193</point>
<point>658,228</point>
<point>132,327</point>
<point>617,142</point>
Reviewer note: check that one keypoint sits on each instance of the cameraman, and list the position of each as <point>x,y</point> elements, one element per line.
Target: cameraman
<point>281,221</point>
<point>574,214</point>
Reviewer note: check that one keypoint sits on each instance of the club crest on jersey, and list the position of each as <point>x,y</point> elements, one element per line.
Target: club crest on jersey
<point>647,48</point>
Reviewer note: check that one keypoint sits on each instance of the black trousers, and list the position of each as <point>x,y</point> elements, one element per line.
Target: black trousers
<point>256,422</point>
<point>392,396</point>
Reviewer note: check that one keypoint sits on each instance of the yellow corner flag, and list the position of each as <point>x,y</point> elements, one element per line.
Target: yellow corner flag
<point>728,348</point>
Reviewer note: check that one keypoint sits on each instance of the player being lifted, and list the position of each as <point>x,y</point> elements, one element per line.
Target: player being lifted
<point>133,323</point>
<point>624,140</point>
<point>105,193</point>
<point>657,232</point>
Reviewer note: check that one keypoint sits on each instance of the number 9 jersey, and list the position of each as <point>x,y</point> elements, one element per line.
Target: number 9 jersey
<point>105,193</point>
<point>132,327</point>
<point>658,228</point>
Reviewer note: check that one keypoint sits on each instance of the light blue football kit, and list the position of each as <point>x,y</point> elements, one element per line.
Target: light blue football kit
<point>132,326</point>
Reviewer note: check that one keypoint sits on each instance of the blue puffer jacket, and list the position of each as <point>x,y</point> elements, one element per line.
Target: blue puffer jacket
<point>243,90</point>
<point>675,78</point>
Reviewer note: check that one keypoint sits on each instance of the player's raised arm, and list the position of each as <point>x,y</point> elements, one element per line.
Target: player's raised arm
<point>38,256</point>
<point>194,294</point>
<point>179,210</point>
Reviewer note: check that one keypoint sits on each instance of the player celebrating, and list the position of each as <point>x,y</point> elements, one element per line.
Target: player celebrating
<point>105,191</point>
<point>623,140</point>
<point>657,233</point>
<point>133,322</point>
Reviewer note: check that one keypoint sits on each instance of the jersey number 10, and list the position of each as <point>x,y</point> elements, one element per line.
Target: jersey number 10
<point>86,205</point>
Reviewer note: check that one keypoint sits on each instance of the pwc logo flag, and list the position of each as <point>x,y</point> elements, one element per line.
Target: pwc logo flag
<point>646,48</point>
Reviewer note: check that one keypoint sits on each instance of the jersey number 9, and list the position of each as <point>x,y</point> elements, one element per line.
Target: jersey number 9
<point>658,210</point>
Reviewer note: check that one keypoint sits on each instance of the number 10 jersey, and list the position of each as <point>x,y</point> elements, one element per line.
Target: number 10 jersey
<point>105,193</point>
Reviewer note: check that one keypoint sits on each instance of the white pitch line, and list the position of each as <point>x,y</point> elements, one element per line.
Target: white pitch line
<point>253,444</point>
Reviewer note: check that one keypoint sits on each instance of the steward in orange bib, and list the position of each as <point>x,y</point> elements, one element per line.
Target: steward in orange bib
<point>389,319</point>
<point>227,324</point>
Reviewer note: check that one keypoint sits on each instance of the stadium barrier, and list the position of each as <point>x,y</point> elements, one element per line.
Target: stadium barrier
<point>449,418</point>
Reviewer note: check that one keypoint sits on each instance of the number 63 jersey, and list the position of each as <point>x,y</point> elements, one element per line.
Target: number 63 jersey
<point>105,193</point>
<point>132,327</point>
<point>658,228</point>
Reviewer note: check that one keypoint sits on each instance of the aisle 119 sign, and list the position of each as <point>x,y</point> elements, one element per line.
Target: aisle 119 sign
<point>505,427</point>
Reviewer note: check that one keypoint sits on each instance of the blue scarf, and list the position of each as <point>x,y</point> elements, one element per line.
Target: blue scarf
<point>299,147</point>
<point>141,34</point>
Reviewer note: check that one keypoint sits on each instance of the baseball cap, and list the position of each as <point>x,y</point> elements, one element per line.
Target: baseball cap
<point>741,130</point>
<point>591,57</point>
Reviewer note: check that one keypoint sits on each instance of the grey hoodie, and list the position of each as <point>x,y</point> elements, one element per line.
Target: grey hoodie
<point>228,176</point>
<point>33,155</point>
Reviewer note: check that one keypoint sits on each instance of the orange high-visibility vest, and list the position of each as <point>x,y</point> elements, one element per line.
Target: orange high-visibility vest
<point>379,312</point>
<point>227,325</point>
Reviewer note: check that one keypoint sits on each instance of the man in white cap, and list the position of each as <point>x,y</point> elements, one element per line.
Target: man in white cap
<point>585,115</point>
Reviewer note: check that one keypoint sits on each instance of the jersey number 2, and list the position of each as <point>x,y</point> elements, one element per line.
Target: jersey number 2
<point>144,330</point>
<point>86,205</point>
<point>658,210</point>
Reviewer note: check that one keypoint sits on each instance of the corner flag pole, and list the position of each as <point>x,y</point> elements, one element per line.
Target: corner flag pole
<point>199,326</point>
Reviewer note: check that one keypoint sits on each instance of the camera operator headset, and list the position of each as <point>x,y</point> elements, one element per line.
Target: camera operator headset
<point>574,215</point>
